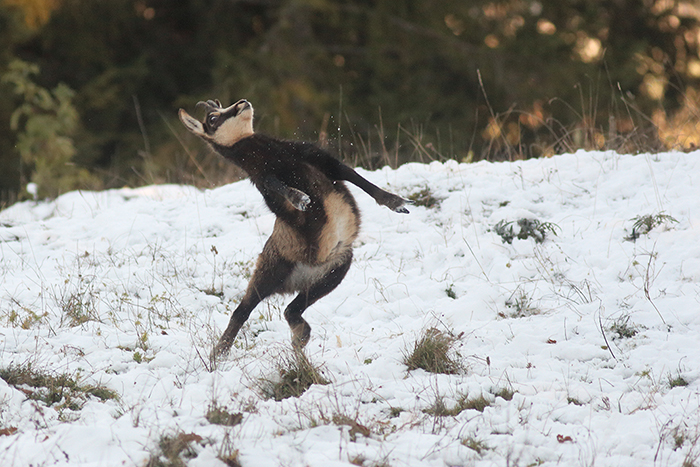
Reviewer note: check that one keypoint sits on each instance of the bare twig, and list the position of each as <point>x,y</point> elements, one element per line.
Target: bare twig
<point>648,281</point>
<point>602,331</point>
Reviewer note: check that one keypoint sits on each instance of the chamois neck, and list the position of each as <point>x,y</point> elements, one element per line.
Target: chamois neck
<point>248,153</point>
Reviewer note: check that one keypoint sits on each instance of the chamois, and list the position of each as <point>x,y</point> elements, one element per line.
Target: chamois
<point>317,219</point>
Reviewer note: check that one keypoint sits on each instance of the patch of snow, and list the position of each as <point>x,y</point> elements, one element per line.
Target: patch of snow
<point>130,289</point>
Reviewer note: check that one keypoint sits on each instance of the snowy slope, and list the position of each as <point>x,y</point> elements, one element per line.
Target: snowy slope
<point>122,289</point>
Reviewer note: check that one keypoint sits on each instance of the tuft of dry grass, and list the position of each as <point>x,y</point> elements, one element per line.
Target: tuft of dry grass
<point>175,450</point>
<point>440,409</point>
<point>504,393</point>
<point>528,228</point>
<point>61,390</point>
<point>228,454</point>
<point>520,305</point>
<point>217,415</point>
<point>296,375</point>
<point>677,381</point>
<point>622,328</point>
<point>425,198</point>
<point>475,445</point>
<point>432,352</point>
<point>646,223</point>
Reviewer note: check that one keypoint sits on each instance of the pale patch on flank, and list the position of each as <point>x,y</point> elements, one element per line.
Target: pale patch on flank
<point>340,230</point>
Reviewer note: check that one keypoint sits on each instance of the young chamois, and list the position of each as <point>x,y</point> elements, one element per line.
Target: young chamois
<point>310,248</point>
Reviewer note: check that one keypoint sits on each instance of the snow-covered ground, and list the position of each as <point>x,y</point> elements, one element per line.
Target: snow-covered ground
<point>596,336</point>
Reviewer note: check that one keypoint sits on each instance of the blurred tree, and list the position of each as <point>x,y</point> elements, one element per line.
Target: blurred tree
<point>591,71</point>
<point>380,81</point>
<point>36,13</point>
<point>45,121</point>
<point>13,30</point>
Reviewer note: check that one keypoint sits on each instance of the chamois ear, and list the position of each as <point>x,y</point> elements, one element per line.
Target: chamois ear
<point>191,123</point>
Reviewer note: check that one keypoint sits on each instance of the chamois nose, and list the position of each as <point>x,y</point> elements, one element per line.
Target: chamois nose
<point>240,106</point>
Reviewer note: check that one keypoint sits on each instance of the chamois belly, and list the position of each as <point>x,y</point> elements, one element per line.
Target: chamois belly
<point>314,260</point>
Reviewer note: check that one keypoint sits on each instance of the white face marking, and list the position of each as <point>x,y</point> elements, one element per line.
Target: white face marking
<point>234,128</point>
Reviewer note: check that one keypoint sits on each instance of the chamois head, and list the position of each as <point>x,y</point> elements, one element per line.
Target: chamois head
<point>222,126</point>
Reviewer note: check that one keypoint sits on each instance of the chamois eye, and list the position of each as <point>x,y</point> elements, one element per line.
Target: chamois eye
<point>212,119</point>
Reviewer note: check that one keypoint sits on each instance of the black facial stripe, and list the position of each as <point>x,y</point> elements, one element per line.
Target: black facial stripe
<point>233,112</point>
<point>212,121</point>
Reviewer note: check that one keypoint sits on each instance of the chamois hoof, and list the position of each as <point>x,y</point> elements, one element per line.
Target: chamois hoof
<point>299,199</point>
<point>301,334</point>
<point>220,350</point>
<point>393,202</point>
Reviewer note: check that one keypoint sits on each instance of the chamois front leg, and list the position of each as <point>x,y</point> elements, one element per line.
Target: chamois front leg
<point>339,171</point>
<point>297,198</point>
<point>390,200</point>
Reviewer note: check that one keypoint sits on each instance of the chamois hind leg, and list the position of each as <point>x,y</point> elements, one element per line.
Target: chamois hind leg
<point>301,331</point>
<point>268,279</point>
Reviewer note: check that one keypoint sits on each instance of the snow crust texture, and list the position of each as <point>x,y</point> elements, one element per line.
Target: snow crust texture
<point>583,341</point>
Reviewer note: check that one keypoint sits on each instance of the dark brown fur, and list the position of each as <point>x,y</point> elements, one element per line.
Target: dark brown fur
<point>310,248</point>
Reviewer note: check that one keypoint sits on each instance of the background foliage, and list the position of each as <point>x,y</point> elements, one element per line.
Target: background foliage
<point>380,82</point>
